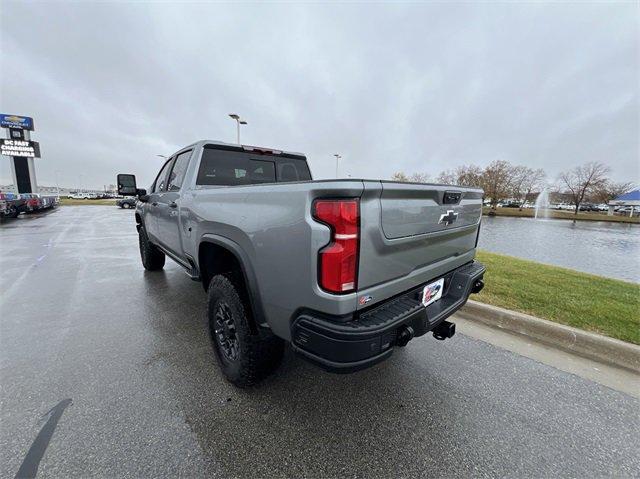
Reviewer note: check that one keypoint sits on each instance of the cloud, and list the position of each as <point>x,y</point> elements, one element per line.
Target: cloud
<point>413,87</point>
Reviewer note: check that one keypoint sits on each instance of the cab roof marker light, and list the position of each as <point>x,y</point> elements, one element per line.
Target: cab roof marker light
<point>264,151</point>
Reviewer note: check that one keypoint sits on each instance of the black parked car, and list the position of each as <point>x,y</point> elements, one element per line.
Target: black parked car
<point>126,203</point>
<point>588,207</point>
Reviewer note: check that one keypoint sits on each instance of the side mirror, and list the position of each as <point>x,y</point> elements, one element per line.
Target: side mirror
<point>127,185</point>
<point>142,195</point>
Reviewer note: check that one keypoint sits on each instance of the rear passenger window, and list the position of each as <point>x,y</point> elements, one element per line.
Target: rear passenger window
<point>179,170</point>
<point>228,168</point>
<point>288,172</point>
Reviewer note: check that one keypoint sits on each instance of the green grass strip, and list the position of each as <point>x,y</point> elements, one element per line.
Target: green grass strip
<point>593,303</point>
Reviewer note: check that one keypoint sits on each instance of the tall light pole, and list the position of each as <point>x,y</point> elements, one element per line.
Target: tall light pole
<point>238,123</point>
<point>57,183</point>
<point>337,158</point>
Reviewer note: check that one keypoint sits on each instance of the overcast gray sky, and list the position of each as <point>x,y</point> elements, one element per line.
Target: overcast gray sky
<point>414,87</point>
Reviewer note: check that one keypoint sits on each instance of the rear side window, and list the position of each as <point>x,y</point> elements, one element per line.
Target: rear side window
<point>287,171</point>
<point>160,183</point>
<point>232,169</point>
<point>229,168</point>
<point>179,170</point>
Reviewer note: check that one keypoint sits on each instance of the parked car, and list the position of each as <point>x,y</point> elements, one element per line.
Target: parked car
<point>10,205</point>
<point>589,207</point>
<point>565,206</point>
<point>127,203</point>
<point>79,196</point>
<point>48,202</point>
<point>343,270</point>
<point>32,202</point>
<point>511,205</point>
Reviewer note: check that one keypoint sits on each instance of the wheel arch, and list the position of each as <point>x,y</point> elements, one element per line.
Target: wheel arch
<point>219,255</point>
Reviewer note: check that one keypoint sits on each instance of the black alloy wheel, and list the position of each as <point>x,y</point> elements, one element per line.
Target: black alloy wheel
<point>225,332</point>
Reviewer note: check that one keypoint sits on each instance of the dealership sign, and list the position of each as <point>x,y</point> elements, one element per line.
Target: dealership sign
<point>28,149</point>
<point>16,121</point>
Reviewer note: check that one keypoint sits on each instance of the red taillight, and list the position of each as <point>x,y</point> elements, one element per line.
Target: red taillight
<point>338,261</point>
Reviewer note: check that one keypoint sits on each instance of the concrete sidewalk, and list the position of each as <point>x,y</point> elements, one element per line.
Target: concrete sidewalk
<point>577,341</point>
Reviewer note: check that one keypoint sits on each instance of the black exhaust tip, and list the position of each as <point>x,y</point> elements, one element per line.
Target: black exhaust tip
<point>404,336</point>
<point>477,286</point>
<point>444,330</point>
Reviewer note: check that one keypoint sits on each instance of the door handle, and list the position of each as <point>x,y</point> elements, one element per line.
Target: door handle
<point>173,204</point>
<point>155,203</point>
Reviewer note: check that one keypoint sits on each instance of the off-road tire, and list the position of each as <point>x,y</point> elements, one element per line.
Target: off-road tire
<point>258,355</point>
<point>152,258</point>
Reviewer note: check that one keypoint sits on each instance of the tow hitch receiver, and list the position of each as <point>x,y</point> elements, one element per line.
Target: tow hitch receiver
<point>444,330</point>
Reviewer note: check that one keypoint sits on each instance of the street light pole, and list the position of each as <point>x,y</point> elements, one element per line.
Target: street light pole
<point>238,123</point>
<point>57,184</point>
<point>337,158</point>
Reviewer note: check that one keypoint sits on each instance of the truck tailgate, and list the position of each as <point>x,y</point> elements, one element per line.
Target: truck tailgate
<point>409,235</point>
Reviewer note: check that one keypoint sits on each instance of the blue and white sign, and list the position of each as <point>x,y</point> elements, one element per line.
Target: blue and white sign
<point>16,121</point>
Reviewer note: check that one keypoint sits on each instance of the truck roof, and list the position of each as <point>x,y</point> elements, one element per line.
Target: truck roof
<point>236,145</point>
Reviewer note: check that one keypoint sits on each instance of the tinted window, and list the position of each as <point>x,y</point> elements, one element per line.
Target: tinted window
<point>162,176</point>
<point>179,170</point>
<point>230,168</point>
<point>220,167</point>
<point>288,172</point>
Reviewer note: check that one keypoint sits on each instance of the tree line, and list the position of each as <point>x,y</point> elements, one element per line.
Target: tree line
<point>502,181</point>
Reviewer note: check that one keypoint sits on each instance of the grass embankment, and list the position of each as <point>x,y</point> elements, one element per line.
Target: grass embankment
<point>602,305</point>
<point>73,202</point>
<point>564,215</point>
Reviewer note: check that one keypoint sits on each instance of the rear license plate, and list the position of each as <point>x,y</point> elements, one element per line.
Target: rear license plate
<point>432,292</point>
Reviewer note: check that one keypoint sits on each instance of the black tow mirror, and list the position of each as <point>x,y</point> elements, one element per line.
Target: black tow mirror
<point>127,185</point>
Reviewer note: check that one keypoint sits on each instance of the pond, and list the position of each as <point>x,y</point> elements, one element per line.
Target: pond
<point>597,247</point>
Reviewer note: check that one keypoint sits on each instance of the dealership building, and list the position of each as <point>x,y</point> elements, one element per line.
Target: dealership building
<point>631,199</point>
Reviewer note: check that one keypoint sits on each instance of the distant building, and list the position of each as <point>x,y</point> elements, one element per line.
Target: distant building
<point>629,200</point>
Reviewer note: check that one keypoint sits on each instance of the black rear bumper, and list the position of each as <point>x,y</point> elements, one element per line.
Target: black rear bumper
<point>368,338</point>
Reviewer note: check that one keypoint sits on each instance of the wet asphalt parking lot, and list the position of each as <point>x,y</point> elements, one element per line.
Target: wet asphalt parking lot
<point>123,357</point>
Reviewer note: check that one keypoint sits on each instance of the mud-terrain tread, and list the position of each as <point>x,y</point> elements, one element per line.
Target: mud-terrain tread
<point>259,355</point>
<point>152,258</point>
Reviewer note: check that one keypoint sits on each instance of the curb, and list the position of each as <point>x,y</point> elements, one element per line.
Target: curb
<point>583,343</point>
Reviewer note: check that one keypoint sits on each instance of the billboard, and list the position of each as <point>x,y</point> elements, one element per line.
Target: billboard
<point>27,149</point>
<point>16,121</point>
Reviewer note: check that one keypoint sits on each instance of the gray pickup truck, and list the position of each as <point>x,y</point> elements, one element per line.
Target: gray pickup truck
<point>343,270</point>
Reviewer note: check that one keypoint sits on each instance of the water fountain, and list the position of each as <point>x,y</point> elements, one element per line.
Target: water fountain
<point>542,204</point>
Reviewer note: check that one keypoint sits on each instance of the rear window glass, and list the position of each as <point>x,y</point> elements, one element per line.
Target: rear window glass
<point>228,168</point>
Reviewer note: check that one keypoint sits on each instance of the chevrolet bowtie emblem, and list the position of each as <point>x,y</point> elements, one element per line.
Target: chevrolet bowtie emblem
<point>448,218</point>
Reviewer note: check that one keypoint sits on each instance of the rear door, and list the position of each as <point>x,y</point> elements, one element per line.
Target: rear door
<point>412,233</point>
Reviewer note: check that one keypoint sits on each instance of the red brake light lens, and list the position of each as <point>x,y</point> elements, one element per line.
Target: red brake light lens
<point>338,261</point>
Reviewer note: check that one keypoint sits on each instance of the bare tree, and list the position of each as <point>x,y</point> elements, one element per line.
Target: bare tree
<point>610,190</point>
<point>400,176</point>
<point>497,181</point>
<point>447,177</point>
<point>584,180</point>
<point>525,181</point>
<point>465,175</point>
<point>469,175</point>
<point>414,178</point>
<point>419,178</point>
